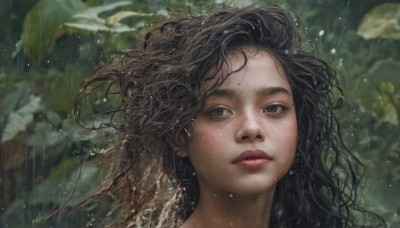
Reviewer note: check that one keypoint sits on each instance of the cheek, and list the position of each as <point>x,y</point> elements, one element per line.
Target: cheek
<point>206,142</point>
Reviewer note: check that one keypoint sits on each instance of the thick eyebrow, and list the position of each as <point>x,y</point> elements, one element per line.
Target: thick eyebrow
<point>267,91</point>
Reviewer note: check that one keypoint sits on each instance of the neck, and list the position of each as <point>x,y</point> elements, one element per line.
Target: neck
<point>229,210</point>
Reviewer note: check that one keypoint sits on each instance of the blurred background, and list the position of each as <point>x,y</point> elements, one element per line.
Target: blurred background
<point>47,47</point>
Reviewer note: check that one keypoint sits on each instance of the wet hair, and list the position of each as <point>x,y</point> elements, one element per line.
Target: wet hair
<point>160,85</point>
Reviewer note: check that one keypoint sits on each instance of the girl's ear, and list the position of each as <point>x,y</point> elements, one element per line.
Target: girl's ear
<point>182,152</point>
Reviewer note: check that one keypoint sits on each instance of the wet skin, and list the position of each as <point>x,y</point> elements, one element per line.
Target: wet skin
<point>244,142</point>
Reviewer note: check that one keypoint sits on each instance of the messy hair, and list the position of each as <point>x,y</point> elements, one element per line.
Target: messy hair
<point>160,87</point>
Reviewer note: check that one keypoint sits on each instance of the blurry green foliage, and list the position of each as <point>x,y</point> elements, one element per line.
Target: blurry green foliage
<point>42,26</point>
<point>89,19</point>
<point>383,21</point>
<point>47,161</point>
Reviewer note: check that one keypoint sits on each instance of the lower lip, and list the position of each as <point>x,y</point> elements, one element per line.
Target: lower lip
<point>253,163</point>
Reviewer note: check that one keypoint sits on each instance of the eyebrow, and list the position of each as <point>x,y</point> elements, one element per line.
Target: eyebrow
<point>267,91</point>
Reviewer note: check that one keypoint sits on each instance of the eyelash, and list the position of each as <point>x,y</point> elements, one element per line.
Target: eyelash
<point>281,107</point>
<point>213,111</point>
<point>278,109</point>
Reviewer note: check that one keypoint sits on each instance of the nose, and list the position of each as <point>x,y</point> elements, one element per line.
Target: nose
<point>250,128</point>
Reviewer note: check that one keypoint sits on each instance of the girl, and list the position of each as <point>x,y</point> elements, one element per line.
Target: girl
<point>227,122</point>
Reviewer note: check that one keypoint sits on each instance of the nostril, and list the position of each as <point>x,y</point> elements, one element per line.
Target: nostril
<point>245,137</point>
<point>259,137</point>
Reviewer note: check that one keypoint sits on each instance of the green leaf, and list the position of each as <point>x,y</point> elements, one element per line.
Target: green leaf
<point>378,92</point>
<point>383,21</point>
<point>89,19</point>
<point>92,14</point>
<point>122,15</point>
<point>42,26</point>
<point>386,70</point>
<point>19,120</point>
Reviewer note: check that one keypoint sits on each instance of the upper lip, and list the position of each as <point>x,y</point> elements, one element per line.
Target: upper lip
<point>252,154</point>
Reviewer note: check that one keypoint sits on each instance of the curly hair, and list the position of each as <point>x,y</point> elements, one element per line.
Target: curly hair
<point>160,83</point>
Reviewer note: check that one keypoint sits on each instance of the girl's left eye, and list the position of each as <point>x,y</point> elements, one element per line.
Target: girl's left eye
<point>219,112</point>
<point>276,109</point>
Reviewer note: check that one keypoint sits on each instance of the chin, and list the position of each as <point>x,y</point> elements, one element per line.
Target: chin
<point>254,190</point>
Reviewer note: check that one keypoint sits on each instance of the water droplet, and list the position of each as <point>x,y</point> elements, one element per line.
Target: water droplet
<point>231,195</point>
<point>104,99</point>
<point>321,33</point>
<point>333,51</point>
<point>286,52</point>
<point>194,174</point>
<point>225,31</point>
<point>291,172</point>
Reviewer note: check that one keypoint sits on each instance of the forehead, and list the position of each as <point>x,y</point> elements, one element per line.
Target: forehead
<point>243,64</point>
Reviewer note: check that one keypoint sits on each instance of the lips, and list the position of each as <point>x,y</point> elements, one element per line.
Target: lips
<point>252,159</point>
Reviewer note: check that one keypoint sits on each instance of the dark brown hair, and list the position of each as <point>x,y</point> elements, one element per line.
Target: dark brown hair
<point>159,87</point>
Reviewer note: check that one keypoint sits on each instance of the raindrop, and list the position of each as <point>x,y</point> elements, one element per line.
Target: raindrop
<point>279,213</point>
<point>321,33</point>
<point>286,52</point>
<point>48,61</point>
<point>28,64</point>
<point>333,51</point>
<point>202,23</point>
<point>291,172</point>
<point>194,174</point>
<point>231,195</point>
<point>104,99</point>
<point>225,31</point>
<point>365,80</point>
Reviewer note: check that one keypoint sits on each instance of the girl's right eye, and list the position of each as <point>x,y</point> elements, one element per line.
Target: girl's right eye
<point>219,112</point>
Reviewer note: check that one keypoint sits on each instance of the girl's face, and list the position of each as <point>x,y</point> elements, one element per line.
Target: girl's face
<point>244,140</point>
